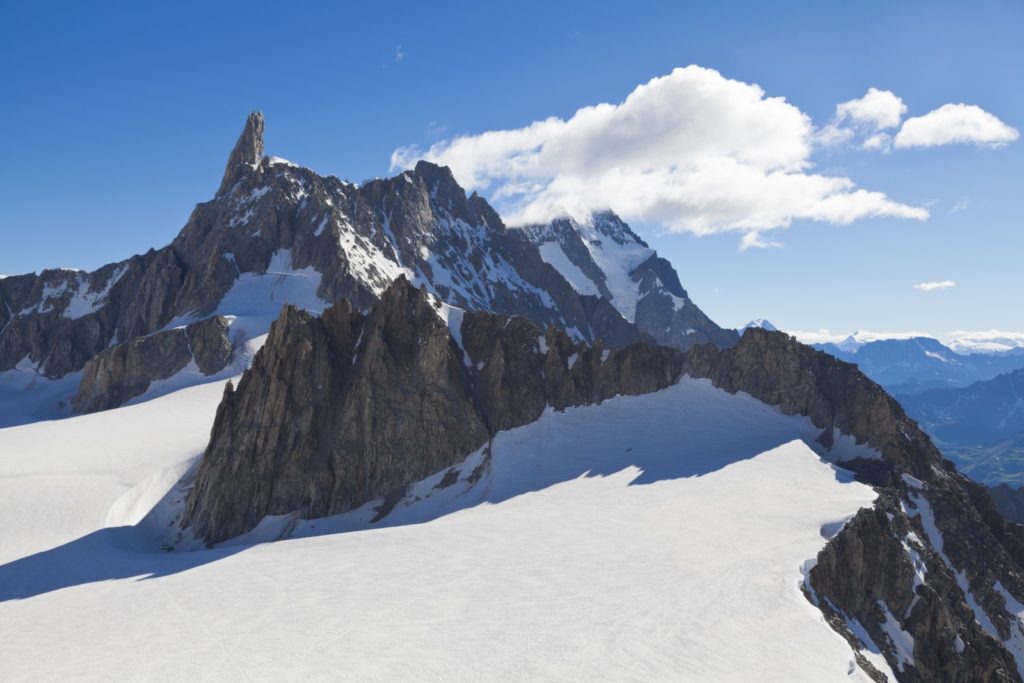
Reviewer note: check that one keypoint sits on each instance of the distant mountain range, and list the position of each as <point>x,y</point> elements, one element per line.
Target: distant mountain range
<point>913,364</point>
<point>907,366</point>
<point>980,426</point>
<point>983,412</point>
<point>968,396</point>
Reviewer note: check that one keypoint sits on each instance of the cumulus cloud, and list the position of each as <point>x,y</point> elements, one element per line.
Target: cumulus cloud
<point>693,151</point>
<point>864,119</point>
<point>878,141</point>
<point>955,123</point>
<point>877,110</point>
<point>934,285</point>
<point>399,54</point>
<point>863,122</point>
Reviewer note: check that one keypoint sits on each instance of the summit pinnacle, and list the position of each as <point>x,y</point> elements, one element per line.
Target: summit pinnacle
<point>247,152</point>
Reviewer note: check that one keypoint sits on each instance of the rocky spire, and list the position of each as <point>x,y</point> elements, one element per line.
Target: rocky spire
<point>247,152</point>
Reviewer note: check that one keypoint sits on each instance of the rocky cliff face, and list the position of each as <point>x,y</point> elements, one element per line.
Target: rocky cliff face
<point>59,319</point>
<point>343,409</point>
<point>126,370</point>
<point>349,408</point>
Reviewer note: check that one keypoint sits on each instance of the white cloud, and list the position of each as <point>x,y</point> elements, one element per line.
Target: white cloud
<point>955,123</point>
<point>864,118</point>
<point>692,151</point>
<point>817,336</point>
<point>878,141</point>
<point>961,204</point>
<point>877,110</point>
<point>932,286</point>
<point>399,54</point>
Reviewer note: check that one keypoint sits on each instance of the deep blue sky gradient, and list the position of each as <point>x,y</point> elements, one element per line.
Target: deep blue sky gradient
<point>117,118</point>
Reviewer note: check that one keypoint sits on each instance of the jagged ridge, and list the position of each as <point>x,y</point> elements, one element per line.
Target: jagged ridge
<point>346,408</point>
<point>357,239</point>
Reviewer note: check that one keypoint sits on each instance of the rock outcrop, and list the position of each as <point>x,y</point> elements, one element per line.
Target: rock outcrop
<point>247,154</point>
<point>126,370</point>
<point>346,408</point>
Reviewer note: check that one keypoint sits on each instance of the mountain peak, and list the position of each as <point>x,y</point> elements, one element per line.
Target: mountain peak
<point>247,152</point>
<point>760,323</point>
<point>440,180</point>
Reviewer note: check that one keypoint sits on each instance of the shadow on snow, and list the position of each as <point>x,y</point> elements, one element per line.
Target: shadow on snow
<point>691,440</point>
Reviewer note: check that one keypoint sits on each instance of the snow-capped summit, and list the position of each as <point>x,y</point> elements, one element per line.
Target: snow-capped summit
<point>760,323</point>
<point>602,257</point>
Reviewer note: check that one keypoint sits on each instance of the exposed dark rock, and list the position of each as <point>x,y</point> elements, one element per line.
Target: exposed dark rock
<point>867,570</point>
<point>336,411</point>
<point>1010,502</point>
<point>341,410</point>
<point>248,151</point>
<point>209,343</point>
<point>126,370</point>
<point>776,369</point>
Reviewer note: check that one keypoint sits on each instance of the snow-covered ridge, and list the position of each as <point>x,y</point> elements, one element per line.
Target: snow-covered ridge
<point>630,495</point>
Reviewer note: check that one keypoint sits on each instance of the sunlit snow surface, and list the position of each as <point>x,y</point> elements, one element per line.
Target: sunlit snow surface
<point>657,537</point>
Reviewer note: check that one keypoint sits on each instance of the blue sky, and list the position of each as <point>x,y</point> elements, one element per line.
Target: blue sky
<point>117,120</point>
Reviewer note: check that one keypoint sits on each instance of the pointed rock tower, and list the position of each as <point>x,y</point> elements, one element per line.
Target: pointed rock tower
<point>247,153</point>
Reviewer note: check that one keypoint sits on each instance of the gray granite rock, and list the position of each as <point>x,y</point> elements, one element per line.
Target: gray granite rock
<point>126,370</point>
<point>343,409</point>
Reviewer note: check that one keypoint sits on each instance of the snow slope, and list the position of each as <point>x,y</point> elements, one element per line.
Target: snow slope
<point>651,537</point>
<point>60,479</point>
